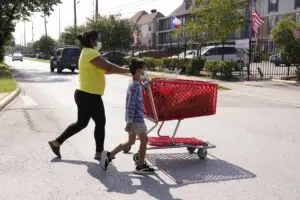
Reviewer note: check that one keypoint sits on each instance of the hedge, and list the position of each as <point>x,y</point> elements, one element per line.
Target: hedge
<point>186,66</point>
<point>215,67</point>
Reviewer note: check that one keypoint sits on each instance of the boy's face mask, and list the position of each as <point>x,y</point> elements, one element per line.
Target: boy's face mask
<point>99,45</point>
<point>144,75</point>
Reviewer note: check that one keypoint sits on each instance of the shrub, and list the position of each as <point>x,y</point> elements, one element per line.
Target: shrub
<point>153,63</point>
<point>212,68</point>
<point>197,66</point>
<point>225,68</point>
<point>166,63</point>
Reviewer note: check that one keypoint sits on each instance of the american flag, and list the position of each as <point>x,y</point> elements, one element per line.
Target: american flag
<point>257,21</point>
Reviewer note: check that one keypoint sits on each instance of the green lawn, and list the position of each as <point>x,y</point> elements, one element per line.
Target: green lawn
<point>7,83</point>
<point>39,60</point>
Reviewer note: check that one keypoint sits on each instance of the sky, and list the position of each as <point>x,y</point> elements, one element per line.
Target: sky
<point>85,9</point>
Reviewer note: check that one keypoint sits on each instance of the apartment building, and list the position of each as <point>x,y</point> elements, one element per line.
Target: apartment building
<point>164,33</point>
<point>272,10</point>
<point>147,24</point>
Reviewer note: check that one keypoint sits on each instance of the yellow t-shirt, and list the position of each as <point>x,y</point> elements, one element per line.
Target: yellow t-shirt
<point>91,78</point>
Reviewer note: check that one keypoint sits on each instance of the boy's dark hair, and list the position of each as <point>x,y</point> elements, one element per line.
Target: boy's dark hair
<point>85,39</point>
<point>135,64</point>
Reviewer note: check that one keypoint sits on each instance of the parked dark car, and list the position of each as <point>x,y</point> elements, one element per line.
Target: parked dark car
<point>278,61</point>
<point>65,58</point>
<point>115,57</point>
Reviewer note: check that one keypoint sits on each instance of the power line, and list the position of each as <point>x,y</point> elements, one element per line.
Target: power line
<point>131,7</point>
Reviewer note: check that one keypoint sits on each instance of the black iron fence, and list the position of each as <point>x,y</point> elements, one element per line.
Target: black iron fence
<point>266,63</point>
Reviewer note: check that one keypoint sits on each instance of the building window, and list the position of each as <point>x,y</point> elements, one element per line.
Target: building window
<point>149,42</point>
<point>273,6</point>
<point>149,27</point>
<point>297,4</point>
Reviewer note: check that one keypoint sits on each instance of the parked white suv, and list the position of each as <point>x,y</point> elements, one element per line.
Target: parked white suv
<point>215,53</point>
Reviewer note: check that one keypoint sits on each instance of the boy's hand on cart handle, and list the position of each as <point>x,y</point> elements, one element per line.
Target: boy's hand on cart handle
<point>128,127</point>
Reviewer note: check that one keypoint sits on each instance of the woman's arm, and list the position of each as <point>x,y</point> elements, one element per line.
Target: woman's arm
<point>109,67</point>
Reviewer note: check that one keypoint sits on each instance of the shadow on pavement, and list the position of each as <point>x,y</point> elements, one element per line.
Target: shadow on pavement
<point>37,76</point>
<point>184,168</point>
<point>123,182</point>
<point>188,169</point>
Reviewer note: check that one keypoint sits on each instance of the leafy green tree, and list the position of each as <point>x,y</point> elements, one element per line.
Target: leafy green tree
<point>44,45</point>
<point>283,35</point>
<point>68,36</point>
<point>13,10</point>
<point>116,33</point>
<point>215,20</point>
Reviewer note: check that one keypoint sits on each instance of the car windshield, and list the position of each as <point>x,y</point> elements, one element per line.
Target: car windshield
<point>72,52</point>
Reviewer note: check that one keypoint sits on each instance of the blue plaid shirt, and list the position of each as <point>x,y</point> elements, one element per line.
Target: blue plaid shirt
<point>134,103</point>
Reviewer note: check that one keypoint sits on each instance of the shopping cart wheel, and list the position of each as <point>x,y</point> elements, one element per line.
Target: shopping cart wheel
<point>202,153</point>
<point>127,149</point>
<point>191,149</point>
<point>136,157</point>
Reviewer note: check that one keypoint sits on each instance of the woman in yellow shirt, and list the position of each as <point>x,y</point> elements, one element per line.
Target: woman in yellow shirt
<point>88,95</point>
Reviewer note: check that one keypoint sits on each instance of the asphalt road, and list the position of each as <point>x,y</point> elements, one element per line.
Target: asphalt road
<point>257,137</point>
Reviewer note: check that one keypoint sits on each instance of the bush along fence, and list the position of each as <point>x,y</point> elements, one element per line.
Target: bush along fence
<point>213,69</point>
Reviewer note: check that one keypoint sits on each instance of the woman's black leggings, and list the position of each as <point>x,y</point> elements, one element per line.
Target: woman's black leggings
<point>89,106</point>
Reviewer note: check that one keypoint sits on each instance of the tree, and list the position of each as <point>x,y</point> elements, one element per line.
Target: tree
<point>115,33</point>
<point>14,10</point>
<point>68,36</point>
<point>289,46</point>
<point>213,20</point>
<point>44,45</point>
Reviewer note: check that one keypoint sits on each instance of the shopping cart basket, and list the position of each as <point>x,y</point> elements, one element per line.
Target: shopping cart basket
<point>174,99</point>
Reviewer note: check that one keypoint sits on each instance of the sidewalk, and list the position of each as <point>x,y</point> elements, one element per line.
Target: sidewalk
<point>229,85</point>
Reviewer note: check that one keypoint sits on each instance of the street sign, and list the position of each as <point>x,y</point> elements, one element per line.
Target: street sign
<point>297,33</point>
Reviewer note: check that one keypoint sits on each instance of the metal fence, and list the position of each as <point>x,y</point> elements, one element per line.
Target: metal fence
<point>265,62</point>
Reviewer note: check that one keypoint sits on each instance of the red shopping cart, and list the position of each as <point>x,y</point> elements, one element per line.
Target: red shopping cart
<point>174,99</point>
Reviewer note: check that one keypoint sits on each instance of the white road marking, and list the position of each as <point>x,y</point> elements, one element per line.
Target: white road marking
<point>28,101</point>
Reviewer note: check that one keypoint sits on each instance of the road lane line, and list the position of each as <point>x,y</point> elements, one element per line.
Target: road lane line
<point>28,101</point>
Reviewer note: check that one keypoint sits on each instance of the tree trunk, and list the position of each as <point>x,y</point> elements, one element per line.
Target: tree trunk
<point>1,49</point>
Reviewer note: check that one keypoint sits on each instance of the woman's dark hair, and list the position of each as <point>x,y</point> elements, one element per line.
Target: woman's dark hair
<point>135,64</point>
<point>85,39</point>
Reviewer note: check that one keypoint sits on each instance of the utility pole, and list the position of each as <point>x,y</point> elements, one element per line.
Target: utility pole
<point>24,36</point>
<point>75,18</point>
<point>59,27</point>
<point>45,21</point>
<point>97,11</point>
<point>32,29</point>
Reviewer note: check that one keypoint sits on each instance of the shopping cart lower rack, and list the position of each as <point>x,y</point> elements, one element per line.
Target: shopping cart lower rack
<point>173,99</point>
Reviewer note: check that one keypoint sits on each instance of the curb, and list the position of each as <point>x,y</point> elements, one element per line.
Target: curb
<point>288,82</point>
<point>9,98</point>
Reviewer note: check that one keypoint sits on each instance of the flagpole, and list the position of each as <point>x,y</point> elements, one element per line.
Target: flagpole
<point>250,39</point>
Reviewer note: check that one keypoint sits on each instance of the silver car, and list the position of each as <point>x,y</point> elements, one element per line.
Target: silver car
<point>17,56</point>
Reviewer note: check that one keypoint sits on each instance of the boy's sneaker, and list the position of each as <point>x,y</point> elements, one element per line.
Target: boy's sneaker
<point>104,160</point>
<point>144,170</point>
